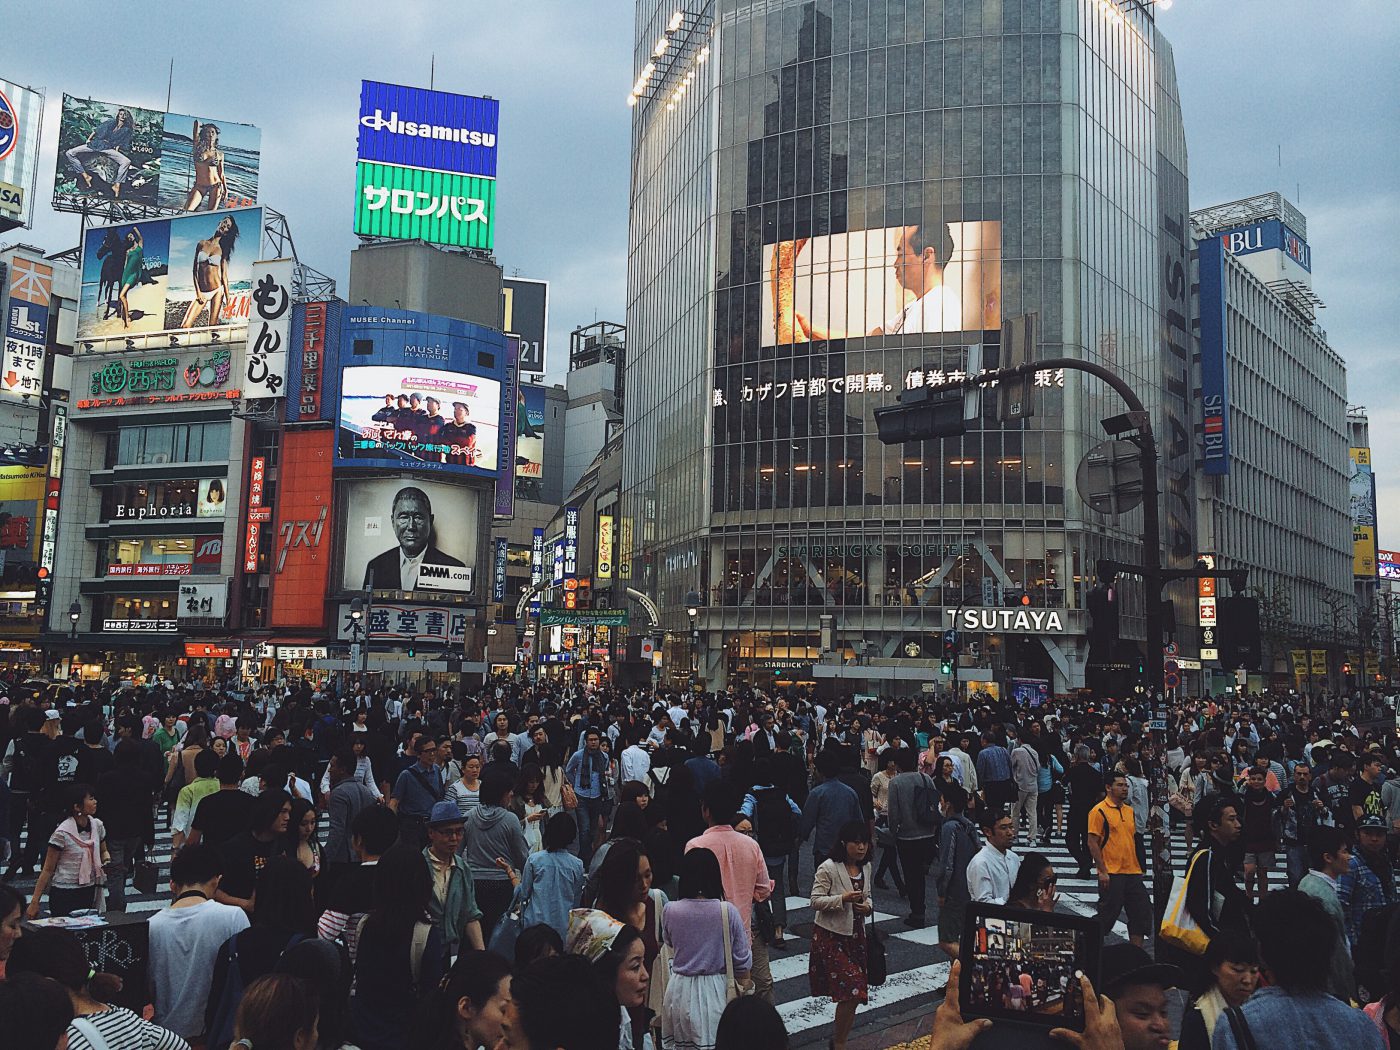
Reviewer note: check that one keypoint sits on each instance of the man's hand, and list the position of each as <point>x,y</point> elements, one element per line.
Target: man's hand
<point>950,1031</point>
<point>1103,878</point>
<point>1101,1031</point>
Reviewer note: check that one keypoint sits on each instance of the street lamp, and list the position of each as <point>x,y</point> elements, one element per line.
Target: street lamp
<point>75,613</point>
<point>357,615</point>
<point>692,610</point>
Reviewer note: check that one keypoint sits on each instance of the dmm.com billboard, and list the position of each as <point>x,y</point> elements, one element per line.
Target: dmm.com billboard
<point>427,165</point>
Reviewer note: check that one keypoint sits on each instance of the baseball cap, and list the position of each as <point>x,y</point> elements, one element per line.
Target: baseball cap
<point>444,813</point>
<point>1371,822</point>
<point>1125,965</point>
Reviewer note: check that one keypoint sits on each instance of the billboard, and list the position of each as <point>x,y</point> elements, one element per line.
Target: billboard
<point>527,315</point>
<point>1215,388</point>
<point>269,329</point>
<point>26,329</point>
<point>1388,565</point>
<point>21,500</point>
<point>203,601</point>
<point>529,442</point>
<point>419,391</point>
<point>421,128</point>
<point>1362,485</point>
<point>409,623</point>
<point>207,373</point>
<point>302,545</point>
<point>171,161</point>
<point>898,280</point>
<point>410,204</point>
<point>162,276</point>
<point>1264,236</point>
<point>21,118</point>
<point>402,534</point>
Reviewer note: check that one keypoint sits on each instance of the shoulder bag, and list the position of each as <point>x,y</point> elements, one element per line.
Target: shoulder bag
<point>1179,928</point>
<point>508,928</point>
<point>1239,1027</point>
<point>732,990</point>
<point>661,965</point>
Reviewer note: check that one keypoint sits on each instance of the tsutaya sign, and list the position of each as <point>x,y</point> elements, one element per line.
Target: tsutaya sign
<point>1014,621</point>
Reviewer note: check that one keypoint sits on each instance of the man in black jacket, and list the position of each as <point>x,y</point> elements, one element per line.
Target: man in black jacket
<point>124,797</point>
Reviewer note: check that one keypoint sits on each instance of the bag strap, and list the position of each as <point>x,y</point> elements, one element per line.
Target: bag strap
<point>434,787</point>
<point>728,948</point>
<point>656,909</point>
<point>416,949</point>
<point>91,1033</point>
<point>1239,1027</point>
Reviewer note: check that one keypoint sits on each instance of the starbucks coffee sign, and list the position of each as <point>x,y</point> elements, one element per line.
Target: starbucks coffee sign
<point>1019,620</point>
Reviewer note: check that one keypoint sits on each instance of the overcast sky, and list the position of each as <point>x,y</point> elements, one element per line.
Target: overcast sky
<point>1317,79</point>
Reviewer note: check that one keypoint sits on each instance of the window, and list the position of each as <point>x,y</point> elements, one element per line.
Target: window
<point>180,443</point>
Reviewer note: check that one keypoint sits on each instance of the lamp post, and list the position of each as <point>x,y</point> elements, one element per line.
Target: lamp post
<point>75,613</point>
<point>692,610</point>
<point>357,615</point>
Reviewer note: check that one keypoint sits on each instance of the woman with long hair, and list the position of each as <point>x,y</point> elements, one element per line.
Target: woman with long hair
<point>695,928</point>
<point>470,1007</point>
<point>397,951</point>
<point>278,1012</point>
<point>531,806</point>
<point>210,272</point>
<point>301,836</point>
<point>208,162</point>
<point>11,920</point>
<point>72,873</point>
<point>1034,888</point>
<point>551,762</point>
<point>131,272</point>
<point>841,899</point>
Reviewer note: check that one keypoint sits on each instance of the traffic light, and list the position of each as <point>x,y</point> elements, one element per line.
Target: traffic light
<point>1018,340</point>
<point>1103,616</point>
<point>946,666</point>
<point>921,414</point>
<point>1239,633</point>
<point>951,646</point>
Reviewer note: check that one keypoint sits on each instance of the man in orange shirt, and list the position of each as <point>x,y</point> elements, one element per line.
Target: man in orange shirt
<point>1114,849</point>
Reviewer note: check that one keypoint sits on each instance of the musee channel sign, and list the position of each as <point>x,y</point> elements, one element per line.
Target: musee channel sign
<point>584,617</point>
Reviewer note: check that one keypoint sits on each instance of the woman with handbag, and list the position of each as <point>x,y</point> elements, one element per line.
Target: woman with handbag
<point>841,900</point>
<point>711,960</point>
<point>551,883</point>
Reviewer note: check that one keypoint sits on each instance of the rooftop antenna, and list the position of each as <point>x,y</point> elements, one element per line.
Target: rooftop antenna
<point>170,84</point>
<point>432,70</point>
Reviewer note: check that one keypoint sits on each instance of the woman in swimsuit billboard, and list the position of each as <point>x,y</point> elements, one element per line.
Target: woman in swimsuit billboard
<point>211,260</point>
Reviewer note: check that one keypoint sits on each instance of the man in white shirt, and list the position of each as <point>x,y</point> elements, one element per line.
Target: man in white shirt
<point>634,760</point>
<point>185,939</point>
<point>993,869</point>
<point>967,769</point>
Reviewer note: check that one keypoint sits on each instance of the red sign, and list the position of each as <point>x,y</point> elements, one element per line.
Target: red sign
<point>257,478</point>
<point>160,399</point>
<point>313,353</point>
<point>262,514</point>
<point>302,548</point>
<point>214,652</point>
<point>149,570</point>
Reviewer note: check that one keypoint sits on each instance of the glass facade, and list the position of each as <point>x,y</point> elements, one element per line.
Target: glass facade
<point>846,197</point>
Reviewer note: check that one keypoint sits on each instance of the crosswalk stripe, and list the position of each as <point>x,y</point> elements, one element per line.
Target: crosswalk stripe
<point>812,1011</point>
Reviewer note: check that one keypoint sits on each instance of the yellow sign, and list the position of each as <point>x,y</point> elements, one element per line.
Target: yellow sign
<point>1361,486</point>
<point>603,566</point>
<point>1319,661</point>
<point>1300,661</point>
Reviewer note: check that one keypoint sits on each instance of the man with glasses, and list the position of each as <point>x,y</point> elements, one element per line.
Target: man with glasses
<point>397,569</point>
<point>452,908</point>
<point>418,789</point>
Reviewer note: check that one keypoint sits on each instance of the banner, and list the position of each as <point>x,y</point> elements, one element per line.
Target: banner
<point>269,329</point>
<point>1300,661</point>
<point>171,161</point>
<point>498,571</point>
<point>529,442</point>
<point>603,565</point>
<point>26,329</point>
<point>21,118</point>
<point>1318,659</point>
<point>1362,485</point>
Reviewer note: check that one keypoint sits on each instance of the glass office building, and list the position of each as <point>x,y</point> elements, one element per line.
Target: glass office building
<point>835,202</point>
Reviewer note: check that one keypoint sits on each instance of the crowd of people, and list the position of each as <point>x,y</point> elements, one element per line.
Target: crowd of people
<point>552,867</point>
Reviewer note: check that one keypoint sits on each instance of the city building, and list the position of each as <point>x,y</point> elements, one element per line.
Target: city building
<point>1272,494</point>
<point>830,206</point>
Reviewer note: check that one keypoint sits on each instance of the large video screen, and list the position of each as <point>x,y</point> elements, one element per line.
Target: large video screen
<point>529,442</point>
<point>422,416</point>
<point>405,534</point>
<point>169,275</point>
<point>171,161</point>
<point>898,280</point>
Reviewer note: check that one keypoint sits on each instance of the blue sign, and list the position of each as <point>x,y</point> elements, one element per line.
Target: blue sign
<point>1215,390</point>
<point>556,658</point>
<point>418,391</point>
<point>1268,235</point>
<point>418,128</point>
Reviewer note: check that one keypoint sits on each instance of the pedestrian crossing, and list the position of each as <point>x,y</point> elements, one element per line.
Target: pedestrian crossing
<point>918,969</point>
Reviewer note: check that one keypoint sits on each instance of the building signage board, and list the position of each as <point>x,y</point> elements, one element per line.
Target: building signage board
<point>257,480</point>
<point>26,329</point>
<point>206,374</point>
<point>203,601</point>
<point>536,566</point>
<point>21,120</point>
<point>498,572</point>
<point>570,542</point>
<point>1215,387</point>
<point>403,534</point>
<point>145,281</point>
<point>558,574</point>
<point>302,559</point>
<point>205,651</point>
<point>1267,235</point>
<point>298,653</point>
<point>58,437</point>
<point>511,407</point>
<point>171,161</point>
<point>1362,485</point>
<point>527,315</point>
<point>624,548</point>
<point>591,617</point>
<point>141,626</point>
<point>410,204</point>
<point>406,622</point>
<point>269,330</point>
<point>1019,620</point>
<point>421,128</point>
<point>603,563</point>
<point>313,356</point>
<point>529,442</point>
<point>1388,565</point>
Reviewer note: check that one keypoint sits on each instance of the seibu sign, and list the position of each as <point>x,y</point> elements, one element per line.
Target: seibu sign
<point>1010,621</point>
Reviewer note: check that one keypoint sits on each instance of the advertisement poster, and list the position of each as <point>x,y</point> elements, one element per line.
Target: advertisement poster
<point>527,315</point>
<point>422,128</point>
<point>21,120</point>
<point>529,442</point>
<point>269,329</point>
<point>900,280</point>
<point>21,500</point>
<point>1362,485</point>
<point>416,205</point>
<point>404,535</point>
<point>168,275</point>
<point>171,161</point>
<point>420,391</point>
<point>212,498</point>
<point>26,329</point>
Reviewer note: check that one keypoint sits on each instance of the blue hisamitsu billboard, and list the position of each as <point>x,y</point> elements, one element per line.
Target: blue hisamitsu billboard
<point>417,391</point>
<point>420,128</point>
<point>1215,386</point>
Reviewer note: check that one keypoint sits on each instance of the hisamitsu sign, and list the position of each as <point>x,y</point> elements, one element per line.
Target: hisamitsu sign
<point>422,128</point>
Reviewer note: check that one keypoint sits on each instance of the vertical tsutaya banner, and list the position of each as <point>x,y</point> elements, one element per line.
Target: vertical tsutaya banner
<point>269,329</point>
<point>257,513</point>
<point>1363,514</point>
<point>1215,390</point>
<point>21,117</point>
<point>603,565</point>
<point>624,548</point>
<point>169,161</point>
<point>313,356</point>
<point>26,329</point>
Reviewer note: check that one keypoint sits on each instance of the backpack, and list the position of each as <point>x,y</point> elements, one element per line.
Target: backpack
<point>219,1014</point>
<point>658,784</point>
<point>926,804</point>
<point>773,822</point>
